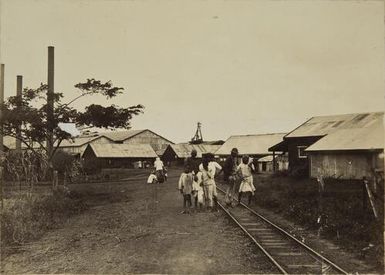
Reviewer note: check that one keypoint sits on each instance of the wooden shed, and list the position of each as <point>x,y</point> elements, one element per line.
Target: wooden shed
<point>99,156</point>
<point>315,129</point>
<point>349,153</point>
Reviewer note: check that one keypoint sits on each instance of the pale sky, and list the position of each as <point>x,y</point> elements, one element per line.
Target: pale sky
<point>239,67</point>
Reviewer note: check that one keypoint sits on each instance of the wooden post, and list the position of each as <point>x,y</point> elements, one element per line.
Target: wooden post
<point>19,87</point>
<point>364,200</point>
<point>274,162</point>
<point>371,199</point>
<point>50,109</point>
<point>2,68</point>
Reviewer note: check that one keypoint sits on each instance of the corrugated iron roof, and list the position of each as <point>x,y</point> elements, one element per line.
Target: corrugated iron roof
<point>121,135</point>
<point>121,150</point>
<point>78,141</point>
<point>183,150</point>
<point>124,135</point>
<point>266,159</point>
<point>250,144</point>
<point>367,138</point>
<point>323,125</point>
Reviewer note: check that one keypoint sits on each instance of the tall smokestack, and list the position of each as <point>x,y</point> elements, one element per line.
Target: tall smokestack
<point>2,68</point>
<point>50,99</point>
<point>19,87</point>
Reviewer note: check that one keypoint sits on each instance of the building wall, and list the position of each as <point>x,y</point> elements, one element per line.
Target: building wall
<point>349,165</point>
<point>147,137</point>
<point>295,161</point>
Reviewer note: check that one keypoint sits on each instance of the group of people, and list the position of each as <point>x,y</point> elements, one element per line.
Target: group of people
<point>197,182</point>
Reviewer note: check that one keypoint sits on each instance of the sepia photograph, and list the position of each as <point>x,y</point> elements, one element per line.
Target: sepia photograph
<point>192,136</point>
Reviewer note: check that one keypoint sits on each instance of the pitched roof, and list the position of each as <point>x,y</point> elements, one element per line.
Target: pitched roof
<point>10,143</point>
<point>122,150</point>
<point>250,144</point>
<point>183,150</point>
<point>79,141</point>
<point>323,125</point>
<point>367,138</point>
<point>124,135</point>
<point>121,135</point>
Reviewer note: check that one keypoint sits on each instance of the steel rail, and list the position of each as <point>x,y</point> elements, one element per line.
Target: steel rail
<point>254,240</point>
<point>293,238</point>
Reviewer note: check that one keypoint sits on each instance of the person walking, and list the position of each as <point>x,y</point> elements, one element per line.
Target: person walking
<point>230,175</point>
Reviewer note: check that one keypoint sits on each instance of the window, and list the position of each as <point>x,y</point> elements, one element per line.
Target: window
<point>301,152</point>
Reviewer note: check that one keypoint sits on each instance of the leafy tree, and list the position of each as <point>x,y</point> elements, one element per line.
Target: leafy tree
<point>30,111</point>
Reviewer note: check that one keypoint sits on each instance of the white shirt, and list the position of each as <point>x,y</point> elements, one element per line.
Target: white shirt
<point>151,178</point>
<point>158,164</point>
<point>208,176</point>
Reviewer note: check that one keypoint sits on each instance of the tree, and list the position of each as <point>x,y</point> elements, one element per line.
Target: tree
<point>30,112</point>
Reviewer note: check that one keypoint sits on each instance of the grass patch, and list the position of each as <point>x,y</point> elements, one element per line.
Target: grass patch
<point>25,218</point>
<point>346,221</point>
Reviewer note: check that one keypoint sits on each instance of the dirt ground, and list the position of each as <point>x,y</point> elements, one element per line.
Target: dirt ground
<point>138,228</point>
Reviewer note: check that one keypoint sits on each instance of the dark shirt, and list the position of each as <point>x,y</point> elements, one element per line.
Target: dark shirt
<point>192,164</point>
<point>229,167</point>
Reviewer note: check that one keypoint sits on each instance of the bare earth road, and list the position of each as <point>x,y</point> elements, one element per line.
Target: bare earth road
<point>135,227</point>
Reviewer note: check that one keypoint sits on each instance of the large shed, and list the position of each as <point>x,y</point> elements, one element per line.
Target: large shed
<point>316,129</point>
<point>98,156</point>
<point>146,136</point>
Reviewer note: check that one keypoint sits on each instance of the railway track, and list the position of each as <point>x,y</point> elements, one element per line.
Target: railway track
<point>288,254</point>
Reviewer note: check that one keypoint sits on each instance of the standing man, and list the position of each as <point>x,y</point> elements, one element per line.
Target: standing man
<point>230,175</point>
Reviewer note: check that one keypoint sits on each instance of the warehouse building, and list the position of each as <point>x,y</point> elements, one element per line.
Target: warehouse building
<point>157,142</point>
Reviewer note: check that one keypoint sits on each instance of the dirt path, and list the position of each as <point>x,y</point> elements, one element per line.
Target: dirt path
<point>142,232</point>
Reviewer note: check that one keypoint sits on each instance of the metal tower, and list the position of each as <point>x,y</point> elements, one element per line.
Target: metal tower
<point>198,135</point>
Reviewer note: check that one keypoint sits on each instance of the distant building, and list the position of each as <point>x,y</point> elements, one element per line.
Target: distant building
<point>177,153</point>
<point>76,146</point>
<point>256,146</point>
<point>157,142</point>
<point>99,156</point>
<point>328,139</point>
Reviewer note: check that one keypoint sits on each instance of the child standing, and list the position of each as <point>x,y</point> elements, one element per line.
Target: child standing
<point>247,186</point>
<point>185,187</point>
<point>198,190</point>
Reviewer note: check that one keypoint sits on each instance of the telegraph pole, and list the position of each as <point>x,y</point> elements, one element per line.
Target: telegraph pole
<point>1,131</point>
<point>50,106</point>
<point>19,88</point>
